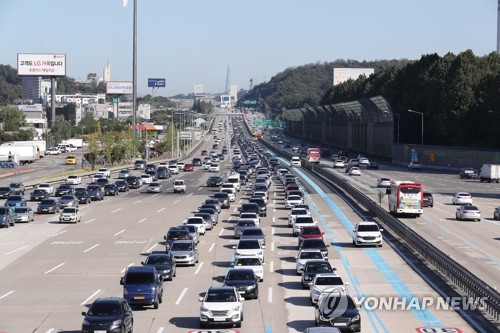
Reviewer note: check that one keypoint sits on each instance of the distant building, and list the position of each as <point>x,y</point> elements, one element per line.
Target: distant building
<point>343,74</point>
<point>125,111</point>
<point>35,88</point>
<point>34,118</point>
<point>106,73</point>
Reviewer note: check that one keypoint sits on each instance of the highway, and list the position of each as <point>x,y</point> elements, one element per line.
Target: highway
<point>49,271</point>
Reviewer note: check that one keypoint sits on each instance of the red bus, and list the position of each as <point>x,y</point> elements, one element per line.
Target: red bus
<point>313,155</point>
<point>406,198</point>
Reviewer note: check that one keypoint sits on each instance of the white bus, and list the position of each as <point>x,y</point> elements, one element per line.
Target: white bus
<point>405,198</point>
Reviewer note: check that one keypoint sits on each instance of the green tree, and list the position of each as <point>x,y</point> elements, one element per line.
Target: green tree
<point>61,129</point>
<point>12,118</point>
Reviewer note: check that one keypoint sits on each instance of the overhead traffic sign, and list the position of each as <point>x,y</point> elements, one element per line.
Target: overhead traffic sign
<point>156,83</point>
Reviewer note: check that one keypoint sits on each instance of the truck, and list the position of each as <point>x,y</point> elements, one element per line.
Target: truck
<point>21,154</point>
<point>78,143</point>
<point>40,144</point>
<point>490,173</point>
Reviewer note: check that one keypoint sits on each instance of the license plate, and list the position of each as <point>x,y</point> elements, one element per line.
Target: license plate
<point>100,331</point>
<point>340,324</point>
<point>219,319</point>
<point>138,297</point>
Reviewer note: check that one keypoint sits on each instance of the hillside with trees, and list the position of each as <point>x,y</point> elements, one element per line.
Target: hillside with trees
<point>458,95</point>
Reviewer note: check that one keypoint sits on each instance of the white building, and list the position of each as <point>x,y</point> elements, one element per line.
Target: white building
<point>343,74</point>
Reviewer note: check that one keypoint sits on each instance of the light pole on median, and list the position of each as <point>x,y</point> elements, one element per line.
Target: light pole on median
<point>422,115</point>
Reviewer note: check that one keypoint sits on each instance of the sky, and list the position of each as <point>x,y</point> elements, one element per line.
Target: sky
<point>193,41</point>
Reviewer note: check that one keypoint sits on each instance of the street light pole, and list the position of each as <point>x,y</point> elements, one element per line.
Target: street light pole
<point>422,115</point>
<point>397,136</point>
<point>134,74</point>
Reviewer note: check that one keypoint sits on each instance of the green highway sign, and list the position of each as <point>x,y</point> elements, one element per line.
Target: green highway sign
<point>256,122</point>
<point>266,122</point>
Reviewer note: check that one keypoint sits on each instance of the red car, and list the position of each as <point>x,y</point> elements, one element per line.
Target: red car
<point>291,187</point>
<point>310,232</point>
<point>204,152</point>
<point>188,167</point>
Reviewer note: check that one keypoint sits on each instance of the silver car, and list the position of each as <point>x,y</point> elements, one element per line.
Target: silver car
<point>154,188</point>
<point>325,282</point>
<point>70,214</point>
<point>24,214</point>
<point>468,212</point>
<point>193,231</point>
<point>304,256</point>
<point>184,252</point>
<point>241,225</point>
<point>68,200</point>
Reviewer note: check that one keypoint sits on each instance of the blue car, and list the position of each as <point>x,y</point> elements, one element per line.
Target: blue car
<point>16,201</point>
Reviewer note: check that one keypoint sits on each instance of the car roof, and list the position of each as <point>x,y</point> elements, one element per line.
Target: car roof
<point>366,223</point>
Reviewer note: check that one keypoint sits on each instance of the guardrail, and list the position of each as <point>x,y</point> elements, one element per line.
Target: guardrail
<point>468,283</point>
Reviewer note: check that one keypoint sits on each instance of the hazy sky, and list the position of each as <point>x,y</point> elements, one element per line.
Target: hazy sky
<point>192,41</point>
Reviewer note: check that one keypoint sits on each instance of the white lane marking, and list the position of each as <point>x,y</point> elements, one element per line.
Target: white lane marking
<point>120,232</point>
<point>176,201</point>
<point>160,330</point>
<point>221,231</point>
<point>91,220</point>
<point>160,210</point>
<point>90,248</point>
<point>90,297</point>
<point>198,269</point>
<point>144,219</point>
<point>235,209</point>
<point>181,296</point>
<point>62,232</point>
<point>271,266</point>
<point>50,330</point>
<point>272,246</point>
<point>114,211</point>
<point>240,201</point>
<point>274,210</point>
<point>136,202</point>
<point>270,295</point>
<point>53,269</point>
<point>6,294</point>
<point>168,189</point>
<point>154,195</point>
<point>201,188</point>
<point>19,249</point>
<point>151,248</point>
<point>274,219</point>
<point>211,247</point>
<point>190,194</point>
<point>123,270</point>
<point>273,230</point>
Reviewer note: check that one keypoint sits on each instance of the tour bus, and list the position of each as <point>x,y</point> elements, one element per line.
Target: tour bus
<point>405,198</point>
<point>313,155</point>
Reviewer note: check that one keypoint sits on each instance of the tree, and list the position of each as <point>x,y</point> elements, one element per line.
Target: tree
<point>12,118</point>
<point>61,129</point>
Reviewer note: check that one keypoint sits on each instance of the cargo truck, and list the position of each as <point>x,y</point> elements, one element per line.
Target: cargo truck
<point>19,153</point>
<point>490,173</point>
<point>41,145</point>
<point>78,143</point>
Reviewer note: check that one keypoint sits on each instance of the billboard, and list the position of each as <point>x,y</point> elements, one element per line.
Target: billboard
<point>119,88</point>
<point>343,74</point>
<point>156,83</point>
<point>40,64</point>
<point>185,135</point>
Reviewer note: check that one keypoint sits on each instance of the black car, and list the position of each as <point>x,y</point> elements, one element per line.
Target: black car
<point>197,161</point>
<point>153,174</point>
<point>223,198</point>
<point>428,199</point>
<point>133,182</point>
<point>261,203</point>
<point>163,172</point>
<point>5,191</point>
<point>244,280</point>
<point>372,166</point>
<point>110,189</point>
<point>175,233</point>
<point>249,208</point>
<point>48,206</point>
<point>82,195</point>
<point>108,315</point>
<point>96,192</point>
<point>254,233</point>
<point>64,189</point>
<point>315,243</point>
<point>39,195</point>
<point>122,186</point>
<point>313,267</point>
<point>214,181</point>
<point>349,320</point>
<point>163,263</point>
<point>151,167</point>
<point>102,182</point>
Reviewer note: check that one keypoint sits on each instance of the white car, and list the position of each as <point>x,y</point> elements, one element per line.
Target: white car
<point>230,193</point>
<point>197,222</point>
<point>96,176</point>
<point>304,256</point>
<point>52,151</point>
<point>300,222</point>
<point>364,161</point>
<point>215,158</point>
<point>221,305</point>
<point>70,214</point>
<point>354,171</point>
<point>462,198</point>
<point>262,194</point>
<point>207,166</point>
<point>74,180</point>
<point>326,282</point>
<point>214,168</point>
<point>339,164</point>
<point>367,233</point>
<point>105,171</point>
<point>252,262</point>
<point>173,169</point>
<point>180,166</point>
<point>292,200</point>
<point>46,187</point>
<point>146,179</point>
<point>249,247</point>
<point>296,212</point>
<point>295,161</point>
<point>251,216</point>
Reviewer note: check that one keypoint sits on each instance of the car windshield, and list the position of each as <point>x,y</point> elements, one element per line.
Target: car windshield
<point>158,260</point>
<point>294,198</point>
<point>21,210</point>
<point>64,187</point>
<point>93,188</point>
<point>311,255</point>
<point>194,221</point>
<point>368,227</point>
<point>15,185</point>
<point>220,296</point>
<point>470,208</point>
<point>109,186</point>
<point>140,278</point>
<point>253,232</point>
<point>105,309</point>
<point>72,177</point>
<point>177,234</point>
<point>246,224</point>
<point>39,191</point>
<point>220,195</point>
<point>311,231</point>
<point>301,220</point>
<point>240,274</point>
<point>248,262</point>
<point>181,246</point>
<point>320,267</point>
<point>67,197</point>
<point>69,210</point>
<point>313,243</point>
<point>48,202</point>
<point>250,245</point>
<point>329,281</point>
<point>15,198</point>
<point>4,189</point>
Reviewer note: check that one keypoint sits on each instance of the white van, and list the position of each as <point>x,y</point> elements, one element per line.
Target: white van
<point>234,179</point>
<point>295,161</point>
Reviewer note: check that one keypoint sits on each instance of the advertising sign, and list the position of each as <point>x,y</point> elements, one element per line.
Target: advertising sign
<point>185,135</point>
<point>156,83</point>
<point>38,64</point>
<point>119,88</point>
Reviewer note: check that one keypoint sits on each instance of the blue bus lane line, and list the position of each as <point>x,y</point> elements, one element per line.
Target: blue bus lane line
<point>425,316</point>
